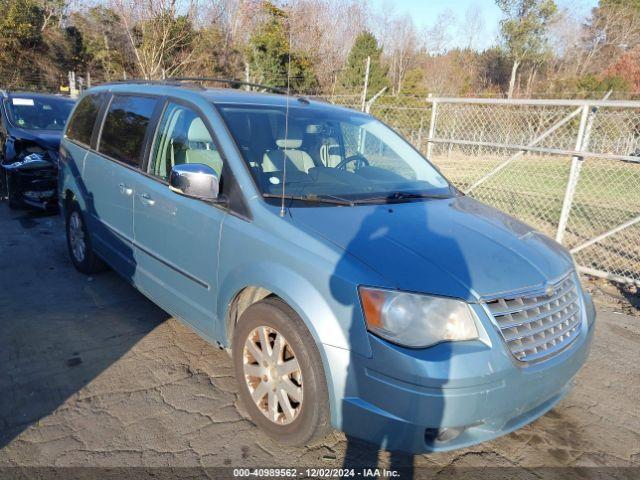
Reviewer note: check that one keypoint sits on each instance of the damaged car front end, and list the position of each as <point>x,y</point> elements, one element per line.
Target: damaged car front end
<point>30,138</point>
<point>32,179</point>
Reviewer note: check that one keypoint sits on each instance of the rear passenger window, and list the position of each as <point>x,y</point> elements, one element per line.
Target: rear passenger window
<point>125,127</point>
<point>80,128</point>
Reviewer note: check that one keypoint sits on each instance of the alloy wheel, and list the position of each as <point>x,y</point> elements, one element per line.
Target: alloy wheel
<point>76,237</point>
<point>273,375</point>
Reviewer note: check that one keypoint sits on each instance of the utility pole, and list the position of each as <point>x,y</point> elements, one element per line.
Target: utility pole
<point>366,84</point>
<point>73,92</point>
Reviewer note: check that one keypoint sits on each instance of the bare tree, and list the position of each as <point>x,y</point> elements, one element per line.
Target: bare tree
<point>51,9</point>
<point>472,27</point>
<point>438,36</point>
<point>402,49</point>
<point>611,31</point>
<point>524,30</point>
<point>325,31</point>
<point>160,33</point>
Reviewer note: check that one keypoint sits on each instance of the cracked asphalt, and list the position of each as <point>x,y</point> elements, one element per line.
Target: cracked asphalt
<point>94,374</point>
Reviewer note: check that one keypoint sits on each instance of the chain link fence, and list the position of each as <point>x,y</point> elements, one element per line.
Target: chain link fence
<point>570,168</point>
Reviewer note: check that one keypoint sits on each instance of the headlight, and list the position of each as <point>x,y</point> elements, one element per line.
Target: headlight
<point>415,320</point>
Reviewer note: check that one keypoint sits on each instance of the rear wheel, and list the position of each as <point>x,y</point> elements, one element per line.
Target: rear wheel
<point>280,375</point>
<point>79,243</point>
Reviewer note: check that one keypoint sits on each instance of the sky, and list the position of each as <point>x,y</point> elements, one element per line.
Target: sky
<point>424,13</point>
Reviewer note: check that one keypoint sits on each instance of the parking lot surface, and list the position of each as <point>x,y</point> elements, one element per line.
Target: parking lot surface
<point>92,373</point>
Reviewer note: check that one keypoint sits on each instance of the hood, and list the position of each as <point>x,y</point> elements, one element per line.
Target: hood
<point>47,139</point>
<point>454,247</point>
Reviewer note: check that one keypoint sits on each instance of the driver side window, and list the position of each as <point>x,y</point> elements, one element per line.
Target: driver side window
<point>182,138</point>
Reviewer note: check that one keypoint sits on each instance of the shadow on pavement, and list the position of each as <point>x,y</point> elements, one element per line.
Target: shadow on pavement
<point>59,329</point>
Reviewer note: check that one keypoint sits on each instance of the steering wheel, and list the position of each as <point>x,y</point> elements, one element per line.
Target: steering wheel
<point>360,161</point>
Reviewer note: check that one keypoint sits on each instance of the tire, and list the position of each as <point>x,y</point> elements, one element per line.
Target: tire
<point>79,242</point>
<point>308,419</point>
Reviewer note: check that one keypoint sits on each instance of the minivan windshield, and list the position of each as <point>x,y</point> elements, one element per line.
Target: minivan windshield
<point>39,113</point>
<point>331,154</point>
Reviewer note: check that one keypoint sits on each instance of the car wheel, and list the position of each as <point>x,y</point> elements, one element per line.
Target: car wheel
<point>79,243</point>
<point>280,375</point>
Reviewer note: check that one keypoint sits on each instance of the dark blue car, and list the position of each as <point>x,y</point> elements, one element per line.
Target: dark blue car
<point>31,126</point>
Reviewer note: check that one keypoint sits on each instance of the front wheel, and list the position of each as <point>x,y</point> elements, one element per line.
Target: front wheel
<point>280,375</point>
<point>79,243</point>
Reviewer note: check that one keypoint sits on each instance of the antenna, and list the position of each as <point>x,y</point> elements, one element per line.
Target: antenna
<point>286,125</point>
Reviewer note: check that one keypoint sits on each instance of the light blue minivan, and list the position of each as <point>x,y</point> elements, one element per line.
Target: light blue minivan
<point>353,285</point>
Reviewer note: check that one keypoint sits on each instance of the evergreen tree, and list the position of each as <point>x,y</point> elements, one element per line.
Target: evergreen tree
<point>353,76</point>
<point>414,83</point>
<point>20,38</point>
<point>268,55</point>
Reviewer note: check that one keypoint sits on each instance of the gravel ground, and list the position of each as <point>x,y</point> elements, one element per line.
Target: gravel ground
<point>93,374</point>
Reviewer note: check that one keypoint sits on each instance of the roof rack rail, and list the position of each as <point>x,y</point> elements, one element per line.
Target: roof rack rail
<point>142,81</point>
<point>230,82</point>
<point>196,81</point>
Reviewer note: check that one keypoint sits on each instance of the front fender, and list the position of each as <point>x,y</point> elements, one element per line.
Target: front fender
<point>314,310</point>
<point>294,289</point>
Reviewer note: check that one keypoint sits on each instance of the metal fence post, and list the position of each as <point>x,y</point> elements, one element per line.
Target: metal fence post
<point>369,104</point>
<point>419,141</point>
<point>432,127</point>
<point>366,84</point>
<point>582,142</point>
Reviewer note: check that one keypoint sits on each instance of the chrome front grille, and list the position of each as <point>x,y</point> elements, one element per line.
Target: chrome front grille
<point>538,325</point>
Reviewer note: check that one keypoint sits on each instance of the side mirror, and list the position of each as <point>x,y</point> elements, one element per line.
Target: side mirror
<point>195,180</point>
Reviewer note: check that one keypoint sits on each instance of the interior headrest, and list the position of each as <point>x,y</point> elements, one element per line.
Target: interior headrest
<point>198,131</point>
<point>293,137</point>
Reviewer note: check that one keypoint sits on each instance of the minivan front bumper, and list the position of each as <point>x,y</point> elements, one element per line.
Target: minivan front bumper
<point>448,396</point>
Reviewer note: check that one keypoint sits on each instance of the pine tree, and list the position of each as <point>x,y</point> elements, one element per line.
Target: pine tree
<point>268,55</point>
<point>414,83</point>
<point>353,76</point>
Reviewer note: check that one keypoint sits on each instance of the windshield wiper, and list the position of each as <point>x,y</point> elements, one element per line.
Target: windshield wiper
<point>312,198</point>
<point>399,196</point>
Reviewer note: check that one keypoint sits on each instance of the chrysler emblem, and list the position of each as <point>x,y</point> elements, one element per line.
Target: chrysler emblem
<point>548,291</point>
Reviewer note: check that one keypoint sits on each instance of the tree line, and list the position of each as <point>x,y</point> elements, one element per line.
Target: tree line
<point>324,46</point>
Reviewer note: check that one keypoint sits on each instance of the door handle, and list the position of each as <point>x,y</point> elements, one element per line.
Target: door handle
<point>124,190</point>
<point>146,199</point>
